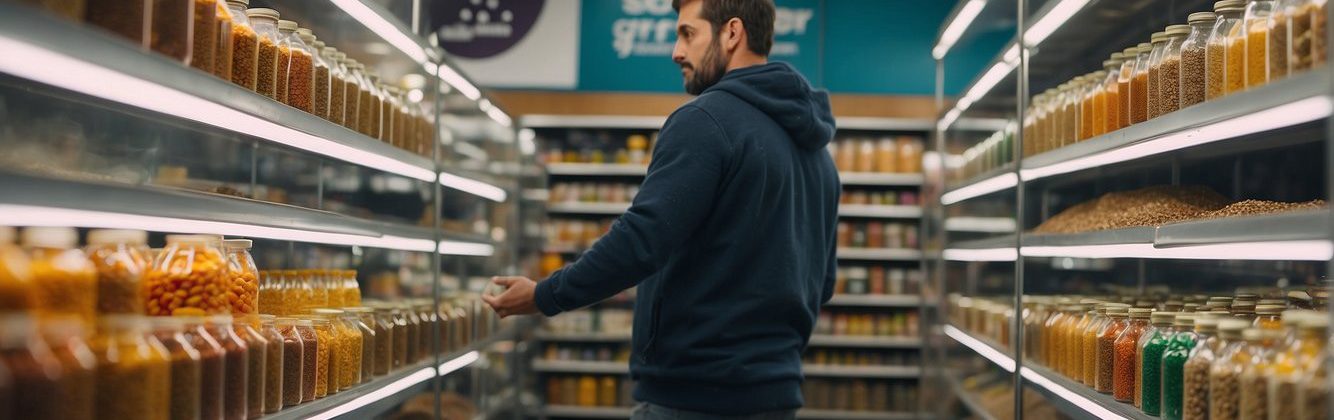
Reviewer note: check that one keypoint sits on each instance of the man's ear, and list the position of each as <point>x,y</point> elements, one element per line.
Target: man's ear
<point>733,32</point>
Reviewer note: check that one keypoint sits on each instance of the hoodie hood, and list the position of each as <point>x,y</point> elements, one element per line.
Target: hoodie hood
<point>779,91</point>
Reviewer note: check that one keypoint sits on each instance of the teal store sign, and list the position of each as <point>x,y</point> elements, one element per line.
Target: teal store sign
<point>627,45</point>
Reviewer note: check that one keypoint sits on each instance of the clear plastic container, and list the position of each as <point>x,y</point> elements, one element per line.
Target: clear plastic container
<point>1182,342</point>
<point>319,288</point>
<point>352,349</point>
<point>1126,351</point>
<point>1088,93</point>
<point>16,286</point>
<point>244,43</point>
<point>351,289</point>
<point>212,364</point>
<point>66,337</point>
<point>364,319</point>
<point>314,368</point>
<point>1268,317</point>
<point>189,277</point>
<point>185,367</point>
<point>283,66</point>
<point>236,367</point>
<point>65,279</point>
<point>408,321</point>
<point>1253,403</point>
<point>378,128</point>
<point>36,373</point>
<point>302,79</point>
<point>327,358</point>
<point>1194,58</point>
<point>131,373</point>
<point>386,349</point>
<point>1300,33</point>
<point>293,355</point>
<point>1159,42</point>
<point>339,102</point>
<point>1169,70</point>
<point>222,46</point>
<point>243,292</point>
<point>204,34</point>
<point>172,29</point>
<point>1148,368</point>
<point>265,23</point>
<point>129,19</point>
<point>121,259</point>
<point>1313,397</point>
<point>1195,377</point>
<point>294,293</point>
<point>257,359</point>
<point>1139,85</point>
<point>1260,65</point>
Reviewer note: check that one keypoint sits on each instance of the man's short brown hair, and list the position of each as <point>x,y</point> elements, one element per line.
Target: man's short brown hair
<point>757,17</point>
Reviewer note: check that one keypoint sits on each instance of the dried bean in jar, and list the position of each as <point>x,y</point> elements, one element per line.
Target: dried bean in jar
<point>245,57</point>
<point>126,18</point>
<point>266,68</point>
<point>299,82</point>
<point>293,361</point>
<point>1195,389</point>
<point>171,33</point>
<point>205,35</point>
<point>1193,76</point>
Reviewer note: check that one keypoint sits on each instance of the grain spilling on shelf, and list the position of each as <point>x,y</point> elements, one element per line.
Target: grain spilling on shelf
<point>1253,207</point>
<point>1150,206</point>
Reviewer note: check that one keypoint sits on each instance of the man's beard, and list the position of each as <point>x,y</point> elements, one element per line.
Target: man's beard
<point>710,69</point>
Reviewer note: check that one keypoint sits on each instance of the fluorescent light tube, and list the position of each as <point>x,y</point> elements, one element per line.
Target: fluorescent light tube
<point>466,248</point>
<point>948,119</point>
<point>383,27</point>
<point>989,80</point>
<point>499,116</point>
<point>474,187</point>
<point>993,254</point>
<point>983,349</point>
<point>1052,20</point>
<point>1302,111</point>
<point>459,83</point>
<point>957,26</point>
<point>458,363</point>
<point>44,66</point>
<point>980,188</point>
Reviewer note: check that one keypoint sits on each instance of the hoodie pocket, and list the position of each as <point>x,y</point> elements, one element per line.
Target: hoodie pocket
<point>651,333</point>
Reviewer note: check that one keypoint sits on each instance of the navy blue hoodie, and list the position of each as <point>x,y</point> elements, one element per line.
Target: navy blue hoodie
<point>731,241</point>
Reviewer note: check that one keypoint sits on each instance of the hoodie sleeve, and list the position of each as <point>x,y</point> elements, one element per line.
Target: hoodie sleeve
<point>689,159</point>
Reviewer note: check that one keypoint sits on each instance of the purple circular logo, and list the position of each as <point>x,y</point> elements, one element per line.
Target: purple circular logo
<point>483,28</point>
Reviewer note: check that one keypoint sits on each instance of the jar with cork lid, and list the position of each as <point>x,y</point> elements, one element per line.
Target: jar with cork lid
<point>1169,72</point>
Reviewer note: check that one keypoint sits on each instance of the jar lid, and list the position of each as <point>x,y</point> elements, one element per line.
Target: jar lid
<point>1232,324</point>
<point>1268,309</point>
<point>1199,17</point>
<point>1118,311</point>
<point>1184,320</point>
<point>262,12</point>
<point>326,312</point>
<point>1162,318</point>
<point>1144,47</point>
<point>1140,313</point>
<point>1206,323</point>
<point>117,236</point>
<point>245,3</point>
<point>1190,307</point>
<point>1157,37</point>
<point>50,237</point>
<point>1246,296</point>
<point>1294,317</point>
<point>1315,323</point>
<point>237,243</point>
<point>1229,4</point>
<point>305,31</point>
<point>287,26</point>
<point>1178,30</point>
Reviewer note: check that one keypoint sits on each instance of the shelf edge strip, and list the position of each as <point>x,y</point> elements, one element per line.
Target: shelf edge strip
<point>980,188</point>
<point>399,385</point>
<point>983,349</point>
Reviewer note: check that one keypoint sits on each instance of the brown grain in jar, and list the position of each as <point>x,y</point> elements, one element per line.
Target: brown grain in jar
<point>273,364</point>
<point>310,360</point>
<point>257,358</point>
<point>65,336</point>
<point>204,34</point>
<point>120,258</point>
<point>245,46</point>
<point>132,375</point>
<point>172,31</point>
<point>294,361</point>
<point>236,359</point>
<point>126,18</point>
<point>185,369</point>
<point>222,46</point>
<point>265,24</point>
<point>385,330</point>
<point>36,372</point>
<point>212,365</point>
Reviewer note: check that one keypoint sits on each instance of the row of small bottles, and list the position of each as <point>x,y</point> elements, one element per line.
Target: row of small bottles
<point>253,48</point>
<point>1240,45</point>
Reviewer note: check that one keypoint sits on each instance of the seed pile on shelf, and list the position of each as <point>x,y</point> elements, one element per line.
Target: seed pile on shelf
<point>1255,207</point>
<point>1150,206</point>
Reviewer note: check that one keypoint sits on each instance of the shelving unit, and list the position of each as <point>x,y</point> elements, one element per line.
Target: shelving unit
<point>1268,142</point>
<point>555,128</point>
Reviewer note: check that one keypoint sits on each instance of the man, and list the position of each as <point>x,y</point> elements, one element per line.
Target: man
<point>731,237</point>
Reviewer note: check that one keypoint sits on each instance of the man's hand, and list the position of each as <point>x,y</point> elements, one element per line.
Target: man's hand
<point>517,299</point>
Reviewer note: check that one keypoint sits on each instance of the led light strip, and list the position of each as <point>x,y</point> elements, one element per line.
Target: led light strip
<point>382,27</point>
<point>991,254</point>
<point>1314,250</point>
<point>1302,111</point>
<point>495,113</point>
<point>466,248</point>
<point>980,188</point>
<point>980,224</point>
<point>1080,401</point>
<point>1053,20</point>
<point>398,386</point>
<point>45,66</point>
<point>982,349</point>
<point>992,77</point>
<point>956,27</point>
<point>458,82</point>
<point>474,187</point>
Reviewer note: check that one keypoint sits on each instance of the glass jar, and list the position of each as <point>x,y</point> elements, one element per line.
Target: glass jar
<point>1313,395</point>
<point>269,293</point>
<point>1254,378</point>
<point>191,263</point>
<point>312,370</point>
<point>1225,373</point>
<point>222,46</point>
<point>1194,60</point>
<point>414,328</point>
<point>65,336</point>
<point>319,288</point>
<point>333,284</point>
<point>1195,376</point>
<point>16,286</point>
<point>130,375</point>
<point>389,116</point>
<point>327,358</point>
<point>243,277</point>
<point>65,280</point>
<point>1301,42</point>
<point>1319,25</point>
<point>1293,363</point>
<point>204,35</point>
<point>430,324</point>
<point>283,65</point>
<point>364,319</point>
<point>128,19</point>
<point>245,46</point>
<point>1148,374</point>
<point>1075,354</point>
<point>302,92</point>
<point>212,364</point>
<point>1139,85</point>
<point>378,129</point>
<point>1123,365</point>
<point>1169,70</point>
<point>351,288</point>
<point>265,23</point>
<point>1050,341</point>
<point>1111,90</point>
<point>36,373</point>
<point>294,293</point>
<point>171,33</point>
<point>1257,23</point>
<point>351,92</point>
<point>1106,348</point>
<point>185,368</point>
<point>368,119</point>
<point>353,349</point>
<point>336,83</point>
<point>257,359</point>
<point>1092,93</point>
<point>1268,317</point>
<point>1159,42</point>
<point>294,362</point>
<point>385,330</point>
<point>120,258</point>
<point>1183,341</point>
<point>236,366</point>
